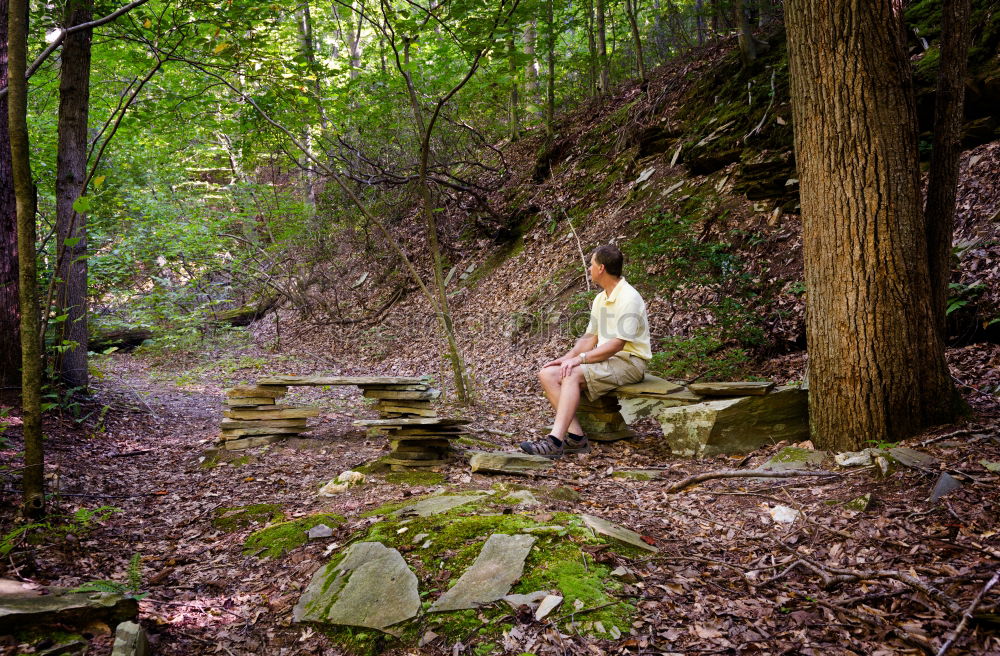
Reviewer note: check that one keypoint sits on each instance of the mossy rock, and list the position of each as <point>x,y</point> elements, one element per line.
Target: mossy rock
<point>278,539</point>
<point>238,518</point>
<point>414,478</point>
<point>441,547</point>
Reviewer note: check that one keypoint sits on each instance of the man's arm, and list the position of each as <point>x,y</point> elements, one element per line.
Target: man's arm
<point>584,344</point>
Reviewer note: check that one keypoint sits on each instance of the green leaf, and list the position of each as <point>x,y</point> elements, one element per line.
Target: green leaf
<point>82,204</point>
<point>71,241</point>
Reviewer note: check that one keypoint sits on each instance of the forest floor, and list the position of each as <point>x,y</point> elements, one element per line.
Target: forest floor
<point>894,578</point>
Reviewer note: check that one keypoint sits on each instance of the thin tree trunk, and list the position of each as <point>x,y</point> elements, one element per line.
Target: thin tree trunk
<point>699,17</point>
<point>33,479</point>
<point>631,12</point>
<point>71,176</point>
<point>876,362</point>
<point>550,82</point>
<point>513,122</point>
<point>591,49</point>
<point>942,183</point>
<point>308,50</point>
<point>10,317</point>
<point>748,49</point>
<point>424,131</point>
<point>602,49</point>
<point>531,71</point>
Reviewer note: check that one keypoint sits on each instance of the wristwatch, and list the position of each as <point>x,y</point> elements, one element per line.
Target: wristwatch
<point>583,358</point>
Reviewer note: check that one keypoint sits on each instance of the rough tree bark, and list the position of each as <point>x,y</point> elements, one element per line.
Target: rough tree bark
<point>513,122</point>
<point>10,317</point>
<point>591,49</point>
<point>71,175</point>
<point>33,478</point>
<point>942,183</point>
<point>531,70</point>
<point>876,362</point>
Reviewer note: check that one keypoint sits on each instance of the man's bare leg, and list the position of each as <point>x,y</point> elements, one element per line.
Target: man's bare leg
<point>553,388</point>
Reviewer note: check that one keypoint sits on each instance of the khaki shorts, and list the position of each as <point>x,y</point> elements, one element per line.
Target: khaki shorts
<point>620,369</point>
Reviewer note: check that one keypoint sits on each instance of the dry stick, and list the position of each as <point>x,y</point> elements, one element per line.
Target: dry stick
<point>967,615</point>
<point>739,473</point>
<point>579,246</point>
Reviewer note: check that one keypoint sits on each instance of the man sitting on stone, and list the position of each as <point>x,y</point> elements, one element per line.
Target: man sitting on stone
<point>613,352</point>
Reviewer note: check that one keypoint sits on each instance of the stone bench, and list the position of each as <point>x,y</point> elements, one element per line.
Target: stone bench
<point>701,419</point>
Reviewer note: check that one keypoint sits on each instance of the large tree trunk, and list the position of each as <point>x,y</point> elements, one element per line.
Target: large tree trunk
<point>876,362</point>
<point>71,174</point>
<point>10,318</point>
<point>942,184</point>
<point>33,478</point>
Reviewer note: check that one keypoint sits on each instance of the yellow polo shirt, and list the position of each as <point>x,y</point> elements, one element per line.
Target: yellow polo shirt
<point>621,315</point>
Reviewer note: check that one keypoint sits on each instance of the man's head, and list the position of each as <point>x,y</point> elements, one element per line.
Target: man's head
<point>606,259</point>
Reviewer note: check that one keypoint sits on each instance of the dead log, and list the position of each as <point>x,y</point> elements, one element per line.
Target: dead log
<point>740,473</point>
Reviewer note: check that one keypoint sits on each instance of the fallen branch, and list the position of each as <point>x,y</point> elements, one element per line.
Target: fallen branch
<point>740,473</point>
<point>967,615</point>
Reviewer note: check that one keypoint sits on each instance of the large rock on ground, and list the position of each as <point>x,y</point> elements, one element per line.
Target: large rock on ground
<point>508,463</point>
<point>21,608</point>
<point>739,425</point>
<point>371,587</point>
<point>498,566</point>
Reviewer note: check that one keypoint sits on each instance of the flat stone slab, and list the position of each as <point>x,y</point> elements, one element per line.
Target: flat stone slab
<point>498,566</point>
<point>620,533</point>
<point>271,412</point>
<point>531,600</point>
<point>793,458</point>
<point>912,458</point>
<point>748,388</point>
<point>21,607</point>
<point>739,425</point>
<point>634,408</point>
<point>130,640</point>
<point>412,421</point>
<point>371,587</point>
<point>437,504</point>
<point>342,380</point>
<point>650,385</point>
<point>508,463</point>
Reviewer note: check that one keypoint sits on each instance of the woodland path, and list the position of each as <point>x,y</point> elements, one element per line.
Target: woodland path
<point>727,577</point>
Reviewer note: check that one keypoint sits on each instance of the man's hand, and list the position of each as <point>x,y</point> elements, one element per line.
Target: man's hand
<point>566,367</point>
<point>553,363</point>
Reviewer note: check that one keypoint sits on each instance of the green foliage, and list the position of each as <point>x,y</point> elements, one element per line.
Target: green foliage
<point>278,539</point>
<point>55,528</point>
<point>131,587</point>
<point>702,354</point>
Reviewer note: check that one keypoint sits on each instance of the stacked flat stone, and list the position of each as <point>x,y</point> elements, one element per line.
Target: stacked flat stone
<point>394,400</point>
<point>602,420</point>
<point>253,417</point>
<point>417,443</point>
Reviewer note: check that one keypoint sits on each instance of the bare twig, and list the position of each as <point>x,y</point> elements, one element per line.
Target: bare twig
<point>739,473</point>
<point>967,615</point>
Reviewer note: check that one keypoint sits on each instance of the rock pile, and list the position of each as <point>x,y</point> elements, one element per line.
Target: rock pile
<point>254,417</point>
<point>417,442</point>
<point>602,419</point>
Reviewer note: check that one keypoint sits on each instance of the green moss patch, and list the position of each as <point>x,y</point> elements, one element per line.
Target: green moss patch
<point>277,540</point>
<point>440,548</point>
<point>414,478</point>
<point>238,518</point>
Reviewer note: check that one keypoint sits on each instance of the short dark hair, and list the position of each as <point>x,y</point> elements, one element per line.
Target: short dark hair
<point>611,258</point>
